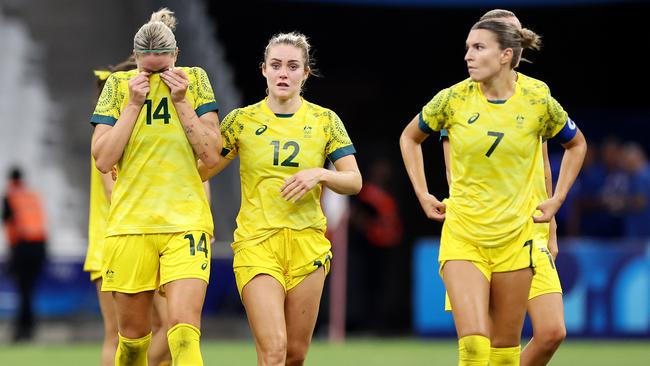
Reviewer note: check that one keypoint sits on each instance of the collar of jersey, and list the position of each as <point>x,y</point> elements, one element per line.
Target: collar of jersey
<point>500,101</point>
<point>285,116</point>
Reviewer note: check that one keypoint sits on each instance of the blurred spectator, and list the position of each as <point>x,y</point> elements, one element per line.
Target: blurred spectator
<point>375,234</point>
<point>24,220</point>
<point>637,204</point>
<point>603,186</point>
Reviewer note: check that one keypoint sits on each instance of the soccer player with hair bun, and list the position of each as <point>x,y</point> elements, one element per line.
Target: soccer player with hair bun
<point>153,123</point>
<point>496,121</point>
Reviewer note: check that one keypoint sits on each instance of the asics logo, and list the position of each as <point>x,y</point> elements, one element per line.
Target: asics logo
<point>261,130</point>
<point>473,118</point>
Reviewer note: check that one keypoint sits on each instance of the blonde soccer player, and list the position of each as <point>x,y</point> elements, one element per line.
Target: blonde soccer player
<point>281,253</point>
<point>153,123</point>
<point>496,120</point>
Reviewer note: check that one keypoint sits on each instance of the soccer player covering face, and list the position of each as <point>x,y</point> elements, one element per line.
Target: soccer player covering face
<point>101,186</point>
<point>496,121</point>
<point>281,253</point>
<point>545,306</point>
<point>153,123</point>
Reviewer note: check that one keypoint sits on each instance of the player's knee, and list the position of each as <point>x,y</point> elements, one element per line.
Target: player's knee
<point>552,338</point>
<point>296,354</point>
<point>274,352</point>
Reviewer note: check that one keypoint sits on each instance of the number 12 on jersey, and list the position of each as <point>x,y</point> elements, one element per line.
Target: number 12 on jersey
<point>287,145</point>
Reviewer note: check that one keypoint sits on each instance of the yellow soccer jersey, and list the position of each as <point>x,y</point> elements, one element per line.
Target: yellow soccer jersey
<point>495,156</point>
<point>158,189</point>
<point>274,147</point>
<point>98,213</point>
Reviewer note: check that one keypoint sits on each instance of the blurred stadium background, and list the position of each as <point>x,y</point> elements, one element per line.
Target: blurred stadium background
<point>382,60</point>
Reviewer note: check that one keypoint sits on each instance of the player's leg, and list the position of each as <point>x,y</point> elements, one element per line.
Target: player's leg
<point>159,351</point>
<point>184,304</point>
<point>184,273</point>
<point>133,313</point>
<point>311,258</point>
<point>469,291</point>
<point>107,308</point>
<point>130,272</point>
<point>508,300</point>
<point>545,310</point>
<point>301,310</point>
<point>264,299</point>
<point>546,313</point>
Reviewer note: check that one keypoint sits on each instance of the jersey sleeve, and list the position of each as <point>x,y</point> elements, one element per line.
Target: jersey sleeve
<point>203,95</point>
<point>338,142</point>
<point>435,114</point>
<point>107,110</point>
<point>230,129</point>
<point>556,118</point>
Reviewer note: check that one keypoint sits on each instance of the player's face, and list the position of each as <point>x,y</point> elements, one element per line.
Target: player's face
<point>284,70</point>
<point>485,59</point>
<point>155,62</point>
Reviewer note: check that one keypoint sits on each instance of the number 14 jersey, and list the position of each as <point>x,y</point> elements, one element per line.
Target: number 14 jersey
<point>158,189</point>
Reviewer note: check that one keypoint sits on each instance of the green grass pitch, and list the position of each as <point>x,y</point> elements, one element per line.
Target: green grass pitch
<point>355,352</point>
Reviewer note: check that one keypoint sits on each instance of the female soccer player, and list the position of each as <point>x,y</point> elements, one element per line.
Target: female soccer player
<point>545,306</point>
<point>281,253</point>
<point>101,186</point>
<point>153,123</point>
<point>495,121</point>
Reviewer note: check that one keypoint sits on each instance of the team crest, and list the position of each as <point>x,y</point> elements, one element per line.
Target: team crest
<point>307,130</point>
<point>520,121</point>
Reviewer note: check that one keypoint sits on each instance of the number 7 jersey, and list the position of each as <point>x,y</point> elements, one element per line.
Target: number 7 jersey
<point>494,149</point>
<point>272,148</point>
<point>158,189</point>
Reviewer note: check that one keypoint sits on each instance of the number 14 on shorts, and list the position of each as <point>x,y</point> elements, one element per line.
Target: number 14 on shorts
<point>201,246</point>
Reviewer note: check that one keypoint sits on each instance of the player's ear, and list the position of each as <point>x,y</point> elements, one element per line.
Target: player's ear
<point>263,68</point>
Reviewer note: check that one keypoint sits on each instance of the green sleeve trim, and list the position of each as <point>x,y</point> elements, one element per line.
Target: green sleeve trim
<point>423,126</point>
<point>98,119</point>
<point>341,152</point>
<point>208,107</point>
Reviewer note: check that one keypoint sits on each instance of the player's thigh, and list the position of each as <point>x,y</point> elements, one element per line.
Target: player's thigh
<point>469,291</point>
<point>546,313</point>
<point>107,308</point>
<point>301,310</point>
<point>508,301</point>
<point>133,313</point>
<point>264,299</point>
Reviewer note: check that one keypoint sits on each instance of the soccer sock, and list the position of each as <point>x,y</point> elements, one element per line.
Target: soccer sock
<point>132,352</point>
<point>505,356</point>
<point>184,345</point>
<point>473,350</point>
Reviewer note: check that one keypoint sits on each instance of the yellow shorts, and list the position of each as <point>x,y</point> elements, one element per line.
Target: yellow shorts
<point>289,256</point>
<point>546,279</point>
<point>93,261</point>
<point>511,257</point>
<point>144,262</point>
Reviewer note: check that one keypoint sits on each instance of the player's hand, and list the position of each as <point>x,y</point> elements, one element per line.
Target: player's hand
<point>434,209</point>
<point>114,173</point>
<point>300,183</point>
<point>139,88</point>
<point>177,82</point>
<point>549,209</point>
